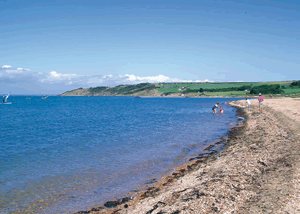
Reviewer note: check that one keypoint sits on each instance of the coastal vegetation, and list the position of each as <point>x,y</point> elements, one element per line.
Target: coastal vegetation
<point>228,89</point>
<point>267,89</point>
<point>121,90</point>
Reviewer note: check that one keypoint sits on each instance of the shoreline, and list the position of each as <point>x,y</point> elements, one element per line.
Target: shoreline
<point>155,96</point>
<point>152,188</point>
<point>258,171</point>
<point>266,96</point>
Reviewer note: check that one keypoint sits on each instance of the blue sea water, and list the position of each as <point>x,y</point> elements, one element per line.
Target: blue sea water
<point>66,154</point>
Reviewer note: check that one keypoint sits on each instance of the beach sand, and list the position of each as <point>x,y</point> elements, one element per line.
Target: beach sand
<point>258,171</point>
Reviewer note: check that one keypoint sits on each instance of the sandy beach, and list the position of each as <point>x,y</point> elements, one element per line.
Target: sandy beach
<point>258,171</point>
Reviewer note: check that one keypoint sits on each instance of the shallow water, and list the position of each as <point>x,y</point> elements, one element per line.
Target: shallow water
<point>65,154</point>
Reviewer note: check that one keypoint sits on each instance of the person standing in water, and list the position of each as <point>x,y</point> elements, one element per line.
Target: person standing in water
<point>221,110</point>
<point>249,104</point>
<point>215,107</point>
<point>260,100</point>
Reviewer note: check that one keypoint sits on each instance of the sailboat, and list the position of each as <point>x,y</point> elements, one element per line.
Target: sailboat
<point>4,100</point>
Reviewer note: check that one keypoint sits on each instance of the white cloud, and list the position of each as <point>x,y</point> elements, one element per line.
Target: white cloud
<point>130,78</point>
<point>108,76</point>
<point>53,76</point>
<point>159,78</point>
<point>55,81</point>
<point>154,79</point>
<point>14,71</point>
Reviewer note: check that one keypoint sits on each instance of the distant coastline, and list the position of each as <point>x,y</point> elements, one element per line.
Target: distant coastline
<point>228,89</point>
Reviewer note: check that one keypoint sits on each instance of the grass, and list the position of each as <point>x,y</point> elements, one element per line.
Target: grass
<point>165,90</point>
<point>178,84</point>
<point>212,85</point>
<point>291,90</point>
<point>227,93</point>
<point>229,85</point>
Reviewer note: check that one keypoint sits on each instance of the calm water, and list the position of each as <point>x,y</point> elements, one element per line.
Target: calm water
<point>65,154</point>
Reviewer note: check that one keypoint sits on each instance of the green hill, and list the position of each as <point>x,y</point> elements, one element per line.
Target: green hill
<point>283,88</point>
<point>143,89</point>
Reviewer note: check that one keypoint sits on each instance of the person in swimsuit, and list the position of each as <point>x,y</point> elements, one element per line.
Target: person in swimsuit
<point>221,110</point>
<point>215,107</point>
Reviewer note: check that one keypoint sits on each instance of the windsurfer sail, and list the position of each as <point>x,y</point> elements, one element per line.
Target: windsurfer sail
<point>5,98</point>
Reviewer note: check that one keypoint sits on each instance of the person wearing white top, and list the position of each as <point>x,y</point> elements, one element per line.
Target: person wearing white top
<point>249,104</point>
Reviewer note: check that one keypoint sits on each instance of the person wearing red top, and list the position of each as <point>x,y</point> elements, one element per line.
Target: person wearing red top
<point>221,110</point>
<point>260,100</point>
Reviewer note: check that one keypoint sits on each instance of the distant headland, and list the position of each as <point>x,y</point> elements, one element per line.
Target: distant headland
<point>194,89</point>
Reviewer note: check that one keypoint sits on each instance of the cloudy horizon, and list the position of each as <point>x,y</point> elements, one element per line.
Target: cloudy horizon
<point>26,81</point>
<point>23,81</point>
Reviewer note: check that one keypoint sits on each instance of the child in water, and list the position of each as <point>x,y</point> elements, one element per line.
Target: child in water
<point>221,110</point>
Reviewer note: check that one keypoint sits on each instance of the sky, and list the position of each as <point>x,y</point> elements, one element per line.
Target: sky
<point>49,47</point>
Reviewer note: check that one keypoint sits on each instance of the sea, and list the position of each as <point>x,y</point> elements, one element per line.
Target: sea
<point>67,154</point>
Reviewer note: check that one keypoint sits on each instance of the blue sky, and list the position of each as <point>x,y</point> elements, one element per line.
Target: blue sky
<point>53,46</point>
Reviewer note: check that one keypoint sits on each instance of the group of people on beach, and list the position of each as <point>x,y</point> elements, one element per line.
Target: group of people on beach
<point>260,101</point>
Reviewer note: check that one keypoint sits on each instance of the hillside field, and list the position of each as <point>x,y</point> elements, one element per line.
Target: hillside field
<point>167,87</point>
<point>227,89</point>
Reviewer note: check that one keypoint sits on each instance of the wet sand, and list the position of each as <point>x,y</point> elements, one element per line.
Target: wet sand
<point>258,171</point>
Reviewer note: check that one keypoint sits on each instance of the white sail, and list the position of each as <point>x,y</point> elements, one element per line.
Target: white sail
<point>6,97</point>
